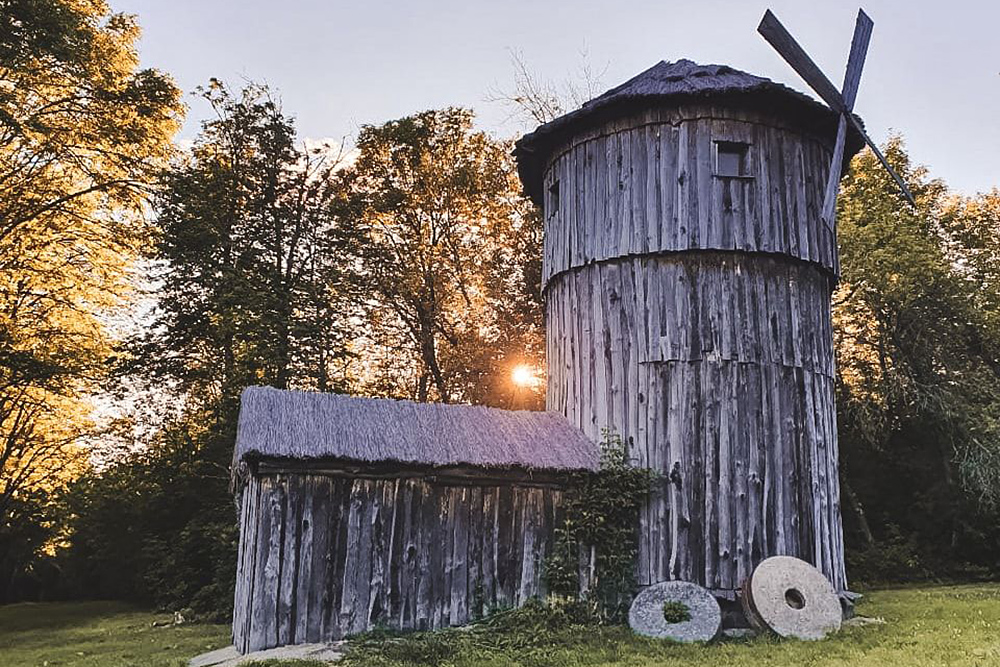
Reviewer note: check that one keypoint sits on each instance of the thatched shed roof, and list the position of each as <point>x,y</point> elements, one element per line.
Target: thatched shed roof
<point>669,84</point>
<point>280,424</point>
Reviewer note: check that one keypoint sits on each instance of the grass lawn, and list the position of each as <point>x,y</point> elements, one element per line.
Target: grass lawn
<point>99,634</point>
<point>930,626</point>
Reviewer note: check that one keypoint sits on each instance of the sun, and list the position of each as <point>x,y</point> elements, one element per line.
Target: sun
<point>524,376</point>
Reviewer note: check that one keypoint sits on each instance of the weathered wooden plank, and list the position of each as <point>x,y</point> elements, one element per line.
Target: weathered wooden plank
<point>379,603</point>
<point>289,560</point>
<point>490,546</point>
<point>504,539</point>
<point>304,549</point>
<point>263,631</point>
<point>441,558</point>
<point>312,578</point>
<point>527,542</point>
<point>426,538</point>
<point>459,607</point>
<point>247,575</point>
<point>474,551</point>
<point>516,552</point>
<point>352,555</point>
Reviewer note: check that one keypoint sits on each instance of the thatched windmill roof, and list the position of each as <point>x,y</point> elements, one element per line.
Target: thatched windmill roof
<point>668,84</point>
<point>300,425</point>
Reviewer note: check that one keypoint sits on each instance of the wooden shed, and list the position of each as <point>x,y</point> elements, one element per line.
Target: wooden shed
<point>358,512</point>
<point>687,277</point>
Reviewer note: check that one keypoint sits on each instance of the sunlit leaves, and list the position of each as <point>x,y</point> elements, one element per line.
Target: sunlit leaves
<point>82,133</point>
<point>449,259</point>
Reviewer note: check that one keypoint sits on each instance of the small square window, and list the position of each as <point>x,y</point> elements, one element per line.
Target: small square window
<point>731,158</point>
<point>553,203</point>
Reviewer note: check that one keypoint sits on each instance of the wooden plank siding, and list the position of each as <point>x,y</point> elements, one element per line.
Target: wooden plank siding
<point>323,557</point>
<point>646,184</point>
<point>691,313</point>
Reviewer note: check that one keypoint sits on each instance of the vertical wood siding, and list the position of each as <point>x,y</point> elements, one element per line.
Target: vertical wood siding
<point>323,557</point>
<point>691,313</point>
<point>646,184</point>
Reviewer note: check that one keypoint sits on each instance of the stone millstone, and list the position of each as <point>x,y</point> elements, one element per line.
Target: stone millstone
<point>791,598</point>
<point>646,614</point>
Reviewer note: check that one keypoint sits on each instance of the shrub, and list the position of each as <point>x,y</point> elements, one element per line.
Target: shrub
<point>601,524</point>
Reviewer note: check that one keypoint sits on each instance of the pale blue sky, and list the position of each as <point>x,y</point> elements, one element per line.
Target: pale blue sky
<point>933,69</point>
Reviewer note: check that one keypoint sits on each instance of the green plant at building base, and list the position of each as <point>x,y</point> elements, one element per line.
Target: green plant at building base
<point>593,559</point>
<point>676,612</point>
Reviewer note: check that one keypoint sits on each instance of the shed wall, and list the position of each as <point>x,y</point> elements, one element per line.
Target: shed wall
<point>322,557</point>
<point>691,313</point>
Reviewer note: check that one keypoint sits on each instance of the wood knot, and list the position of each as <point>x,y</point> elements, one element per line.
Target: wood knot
<point>675,474</point>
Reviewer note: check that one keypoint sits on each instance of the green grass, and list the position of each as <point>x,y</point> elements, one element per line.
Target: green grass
<point>926,627</point>
<point>99,634</point>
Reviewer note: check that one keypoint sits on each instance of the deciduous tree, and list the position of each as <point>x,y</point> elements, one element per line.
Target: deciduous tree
<point>917,352</point>
<point>82,132</point>
<point>450,258</point>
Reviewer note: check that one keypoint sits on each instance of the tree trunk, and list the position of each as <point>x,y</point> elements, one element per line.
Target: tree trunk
<point>428,353</point>
<point>859,513</point>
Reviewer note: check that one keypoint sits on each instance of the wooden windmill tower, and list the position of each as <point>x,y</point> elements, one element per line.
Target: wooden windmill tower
<point>689,259</point>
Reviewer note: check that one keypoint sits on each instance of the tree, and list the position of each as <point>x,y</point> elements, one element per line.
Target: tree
<point>253,289</point>
<point>450,258</point>
<point>917,351</point>
<point>82,133</point>
<point>534,100</point>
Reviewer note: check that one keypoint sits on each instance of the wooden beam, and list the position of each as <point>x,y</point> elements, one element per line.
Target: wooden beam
<point>852,77</point>
<point>856,60</point>
<point>881,158</point>
<point>833,178</point>
<point>782,41</point>
<point>776,35</point>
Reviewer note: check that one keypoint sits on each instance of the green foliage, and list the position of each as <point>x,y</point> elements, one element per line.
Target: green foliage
<point>158,527</point>
<point>600,526</point>
<point>918,360</point>
<point>676,612</point>
<point>451,261</point>
<point>522,631</point>
<point>893,558</point>
<point>83,133</point>
<point>255,283</point>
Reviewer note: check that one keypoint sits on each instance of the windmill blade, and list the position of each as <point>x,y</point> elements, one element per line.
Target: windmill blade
<point>776,35</point>
<point>833,179</point>
<point>856,60</point>
<point>852,78</point>
<point>881,158</point>
<point>782,41</point>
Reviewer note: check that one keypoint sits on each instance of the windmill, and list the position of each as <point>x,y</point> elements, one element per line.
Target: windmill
<point>842,101</point>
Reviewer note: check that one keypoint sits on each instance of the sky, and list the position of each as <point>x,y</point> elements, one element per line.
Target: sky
<point>932,73</point>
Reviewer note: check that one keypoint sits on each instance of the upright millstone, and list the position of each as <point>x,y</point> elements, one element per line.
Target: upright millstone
<point>687,277</point>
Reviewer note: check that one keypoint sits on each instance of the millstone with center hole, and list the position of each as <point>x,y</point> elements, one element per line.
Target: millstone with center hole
<point>704,618</point>
<point>791,598</point>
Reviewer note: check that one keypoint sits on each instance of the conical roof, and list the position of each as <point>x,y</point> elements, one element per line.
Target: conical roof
<point>670,83</point>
